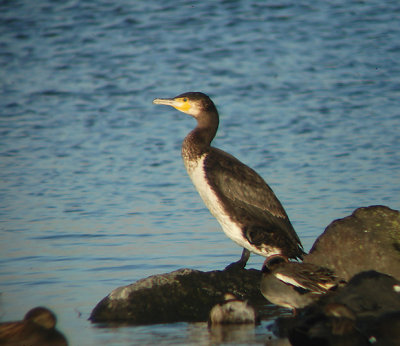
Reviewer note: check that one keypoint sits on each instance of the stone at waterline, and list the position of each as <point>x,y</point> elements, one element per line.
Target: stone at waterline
<point>368,239</point>
<point>182,295</point>
<point>368,308</point>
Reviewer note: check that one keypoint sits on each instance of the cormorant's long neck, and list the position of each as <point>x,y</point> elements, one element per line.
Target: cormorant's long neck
<point>198,141</point>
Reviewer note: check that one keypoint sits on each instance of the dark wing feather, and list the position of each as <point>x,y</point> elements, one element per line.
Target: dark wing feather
<point>238,182</point>
<point>251,201</point>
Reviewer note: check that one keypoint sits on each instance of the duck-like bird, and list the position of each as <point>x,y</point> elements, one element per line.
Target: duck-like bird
<point>232,311</point>
<point>295,285</point>
<point>242,202</point>
<point>38,328</point>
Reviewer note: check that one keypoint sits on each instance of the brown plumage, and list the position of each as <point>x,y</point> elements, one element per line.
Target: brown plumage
<point>241,201</point>
<point>36,329</point>
<point>295,285</point>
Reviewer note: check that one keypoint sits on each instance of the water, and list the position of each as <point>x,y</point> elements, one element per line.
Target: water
<point>93,193</point>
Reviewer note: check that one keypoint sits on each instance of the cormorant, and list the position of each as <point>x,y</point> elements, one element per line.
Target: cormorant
<point>242,202</point>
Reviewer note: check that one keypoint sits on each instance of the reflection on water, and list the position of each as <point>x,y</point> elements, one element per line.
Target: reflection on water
<point>232,333</point>
<point>93,193</point>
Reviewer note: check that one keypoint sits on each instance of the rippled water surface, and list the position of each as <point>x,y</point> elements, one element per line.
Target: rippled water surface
<point>93,193</point>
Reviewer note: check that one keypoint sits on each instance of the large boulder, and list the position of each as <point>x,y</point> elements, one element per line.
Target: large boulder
<point>365,311</point>
<point>368,239</point>
<point>182,295</point>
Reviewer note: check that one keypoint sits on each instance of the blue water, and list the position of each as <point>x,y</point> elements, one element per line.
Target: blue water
<point>93,193</point>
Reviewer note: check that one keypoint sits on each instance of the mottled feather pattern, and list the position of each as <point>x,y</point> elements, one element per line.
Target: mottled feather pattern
<point>308,276</point>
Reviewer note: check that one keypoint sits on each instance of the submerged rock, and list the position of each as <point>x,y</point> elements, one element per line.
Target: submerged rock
<point>182,295</point>
<point>369,239</point>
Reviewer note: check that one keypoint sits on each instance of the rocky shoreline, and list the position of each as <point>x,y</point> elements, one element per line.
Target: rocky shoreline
<point>366,241</point>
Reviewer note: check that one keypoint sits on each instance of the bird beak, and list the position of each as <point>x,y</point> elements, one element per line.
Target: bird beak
<point>177,103</point>
<point>167,102</point>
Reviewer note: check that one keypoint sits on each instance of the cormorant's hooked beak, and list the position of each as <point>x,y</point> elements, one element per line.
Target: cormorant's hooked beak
<point>167,102</point>
<point>180,103</point>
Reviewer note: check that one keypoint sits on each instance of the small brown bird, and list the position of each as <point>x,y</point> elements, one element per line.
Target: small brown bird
<point>36,329</point>
<point>295,285</point>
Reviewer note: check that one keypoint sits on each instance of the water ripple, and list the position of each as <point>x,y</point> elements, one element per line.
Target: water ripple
<point>93,192</point>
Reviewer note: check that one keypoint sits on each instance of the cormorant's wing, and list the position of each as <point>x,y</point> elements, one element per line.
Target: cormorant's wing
<point>251,202</point>
<point>239,183</point>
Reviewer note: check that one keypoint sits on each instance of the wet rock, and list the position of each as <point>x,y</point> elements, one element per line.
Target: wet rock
<point>367,309</point>
<point>182,295</point>
<point>369,239</point>
<point>386,330</point>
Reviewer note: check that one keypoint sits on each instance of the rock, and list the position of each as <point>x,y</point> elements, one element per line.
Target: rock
<point>386,330</point>
<point>369,239</point>
<point>182,295</point>
<point>352,316</point>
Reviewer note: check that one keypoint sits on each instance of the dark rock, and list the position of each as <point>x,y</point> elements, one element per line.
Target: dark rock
<point>182,295</point>
<point>370,294</point>
<point>369,239</point>
<point>386,330</point>
<point>352,316</point>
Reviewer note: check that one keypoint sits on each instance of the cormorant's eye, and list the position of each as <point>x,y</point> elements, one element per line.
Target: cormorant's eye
<point>185,99</point>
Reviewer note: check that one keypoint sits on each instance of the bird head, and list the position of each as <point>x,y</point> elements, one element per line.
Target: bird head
<point>192,103</point>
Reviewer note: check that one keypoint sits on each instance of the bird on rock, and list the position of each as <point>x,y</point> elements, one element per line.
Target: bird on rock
<point>295,285</point>
<point>241,201</point>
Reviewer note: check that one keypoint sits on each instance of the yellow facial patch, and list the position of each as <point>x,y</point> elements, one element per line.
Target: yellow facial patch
<point>182,104</point>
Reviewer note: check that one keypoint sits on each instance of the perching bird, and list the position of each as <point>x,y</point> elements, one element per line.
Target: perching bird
<point>36,329</point>
<point>242,202</point>
<point>295,285</point>
<point>233,311</point>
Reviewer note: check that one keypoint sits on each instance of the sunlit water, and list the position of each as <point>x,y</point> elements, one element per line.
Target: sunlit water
<point>93,192</point>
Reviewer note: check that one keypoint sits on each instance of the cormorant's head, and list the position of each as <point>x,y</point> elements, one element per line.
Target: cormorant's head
<point>192,103</point>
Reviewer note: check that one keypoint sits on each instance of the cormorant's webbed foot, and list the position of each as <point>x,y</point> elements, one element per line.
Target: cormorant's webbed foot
<point>241,263</point>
